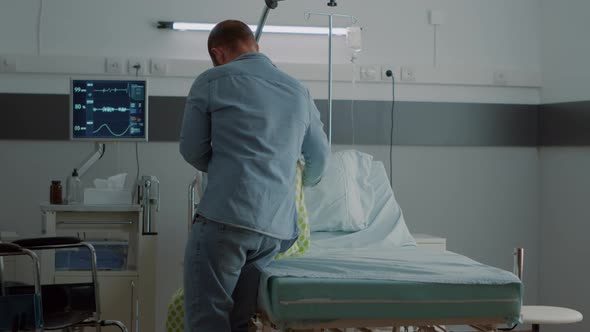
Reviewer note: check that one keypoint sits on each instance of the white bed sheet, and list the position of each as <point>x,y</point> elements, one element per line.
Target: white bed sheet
<point>385,250</point>
<point>387,228</point>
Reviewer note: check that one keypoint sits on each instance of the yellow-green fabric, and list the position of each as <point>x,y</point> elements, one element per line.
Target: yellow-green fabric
<point>301,246</point>
<point>175,319</point>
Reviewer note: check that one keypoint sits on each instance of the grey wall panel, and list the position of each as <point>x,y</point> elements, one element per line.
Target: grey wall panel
<point>423,123</point>
<point>565,124</point>
<point>45,117</point>
<point>165,118</point>
<point>34,117</point>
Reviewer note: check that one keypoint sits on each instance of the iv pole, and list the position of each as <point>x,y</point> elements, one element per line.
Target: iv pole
<point>353,20</point>
<point>272,4</point>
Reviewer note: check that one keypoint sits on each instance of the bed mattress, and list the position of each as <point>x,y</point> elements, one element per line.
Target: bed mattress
<point>435,287</point>
<point>300,300</point>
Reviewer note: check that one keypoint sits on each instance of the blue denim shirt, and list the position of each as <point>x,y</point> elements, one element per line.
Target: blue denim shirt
<point>246,124</point>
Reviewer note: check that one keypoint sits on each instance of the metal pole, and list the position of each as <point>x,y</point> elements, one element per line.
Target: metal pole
<point>261,23</point>
<point>147,207</point>
<point>191,201</point>
<point>94,267</point>
<point>331,25</point>
<point>330,69</point>
<point>519,262</point>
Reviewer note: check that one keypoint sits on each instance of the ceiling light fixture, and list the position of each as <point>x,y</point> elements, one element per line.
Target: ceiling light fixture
<point>279,29</point>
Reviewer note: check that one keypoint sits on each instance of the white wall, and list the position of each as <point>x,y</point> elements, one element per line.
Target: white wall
<point>484,200</point>
<point>565,190</point>
<point>478,37</point>
<point>502,32</point>
<point>564,171</point>
<point>564,54</point>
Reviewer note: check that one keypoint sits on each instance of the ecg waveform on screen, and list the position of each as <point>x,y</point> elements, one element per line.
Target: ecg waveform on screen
<point>104,125</point>
<point>111,90</point>
<point>108,109</point>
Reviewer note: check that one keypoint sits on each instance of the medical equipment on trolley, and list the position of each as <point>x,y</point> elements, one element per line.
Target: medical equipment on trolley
<point>108,110</point>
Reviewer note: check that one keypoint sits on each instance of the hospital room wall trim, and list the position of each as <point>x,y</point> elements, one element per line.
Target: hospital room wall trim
<point>565,124</point>
<point>45,117</point>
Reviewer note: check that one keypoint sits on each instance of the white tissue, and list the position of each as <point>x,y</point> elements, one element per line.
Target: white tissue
<point>115,182</point>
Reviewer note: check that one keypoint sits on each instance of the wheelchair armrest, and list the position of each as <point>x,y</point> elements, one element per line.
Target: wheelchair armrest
<point>9,248</point>
<point>47,242</point>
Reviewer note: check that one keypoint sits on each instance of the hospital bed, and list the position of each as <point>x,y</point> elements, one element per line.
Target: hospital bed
<point>377,277</point>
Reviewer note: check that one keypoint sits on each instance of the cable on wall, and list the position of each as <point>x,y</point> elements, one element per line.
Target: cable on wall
<point>137,160</point>
<point>136,191</point>
<point>39,25</point>
<point>352,99</point>
<point>436,18</point>
<point>435,46</point>
<point>389,73</point>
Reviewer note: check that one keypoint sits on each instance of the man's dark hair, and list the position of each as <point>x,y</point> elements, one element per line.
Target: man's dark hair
<point>228,34</point>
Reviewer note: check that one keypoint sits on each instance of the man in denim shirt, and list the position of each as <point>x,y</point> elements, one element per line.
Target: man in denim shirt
<point>246,123</point>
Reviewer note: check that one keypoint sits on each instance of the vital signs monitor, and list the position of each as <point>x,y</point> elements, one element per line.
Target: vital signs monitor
<point>108,110</point>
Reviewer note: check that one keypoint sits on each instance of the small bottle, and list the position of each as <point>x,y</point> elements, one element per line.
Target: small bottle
<point>55,193</point>
<point>74,189</point>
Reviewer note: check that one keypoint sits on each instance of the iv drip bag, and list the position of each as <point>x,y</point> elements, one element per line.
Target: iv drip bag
<point>354,38</point>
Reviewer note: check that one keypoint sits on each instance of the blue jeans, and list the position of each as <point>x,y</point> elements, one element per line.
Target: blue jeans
<point>222,266</point>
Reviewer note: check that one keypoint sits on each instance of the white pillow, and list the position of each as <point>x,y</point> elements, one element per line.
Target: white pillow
<point>344,198</point>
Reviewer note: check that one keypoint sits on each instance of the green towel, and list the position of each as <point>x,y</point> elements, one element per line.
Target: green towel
<point>175,319</point>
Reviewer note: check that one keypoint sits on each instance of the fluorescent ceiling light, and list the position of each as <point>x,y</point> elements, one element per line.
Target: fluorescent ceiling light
<point>283,29</point>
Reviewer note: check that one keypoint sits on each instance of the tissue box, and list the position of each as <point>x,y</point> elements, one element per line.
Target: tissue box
<point>94,196</point>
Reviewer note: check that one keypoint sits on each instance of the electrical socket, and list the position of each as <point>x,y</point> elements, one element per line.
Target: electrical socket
<point>500,77</point>
<point>132,62</point>
<point>384,76</point>
<point>370,73</point>
<point>408,74</point>
<point>114,66</point>
<point>158,67</point>
<point>436,17</point>
<point>7,65</point>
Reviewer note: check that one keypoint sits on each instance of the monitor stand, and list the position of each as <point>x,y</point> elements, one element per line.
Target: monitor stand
<point>93,158</point>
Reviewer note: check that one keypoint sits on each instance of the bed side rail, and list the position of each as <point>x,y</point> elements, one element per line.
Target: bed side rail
<point>196,189</point>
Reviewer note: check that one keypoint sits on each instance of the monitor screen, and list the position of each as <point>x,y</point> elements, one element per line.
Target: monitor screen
<point>108,110</point>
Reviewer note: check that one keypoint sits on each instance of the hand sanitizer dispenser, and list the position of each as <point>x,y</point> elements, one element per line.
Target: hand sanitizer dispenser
<point>149,198</point>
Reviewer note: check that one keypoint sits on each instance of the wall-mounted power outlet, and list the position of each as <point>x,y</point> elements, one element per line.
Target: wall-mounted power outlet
<point>158,67</point>
<point>436,17</point>
<point>370,73</point>
<point>408,74</point>
<point>136,66</point>
<point>384,73</point>
<point>114,66</point>
<point>7,65</point>
<point>500,77</point>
